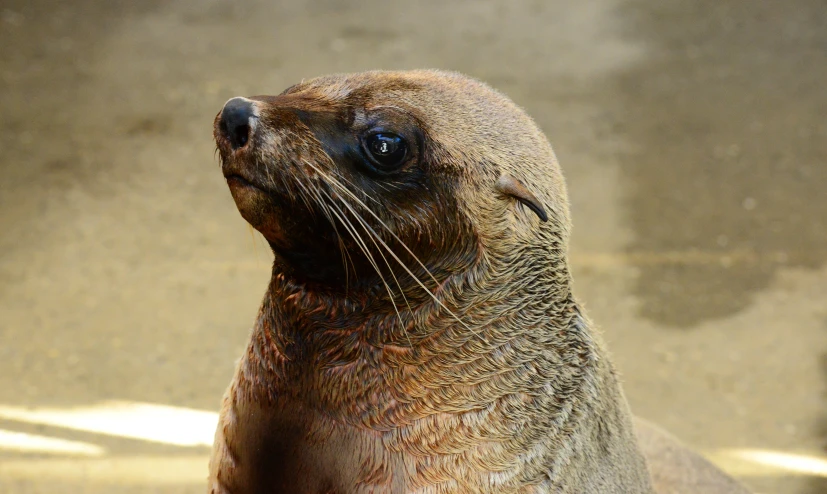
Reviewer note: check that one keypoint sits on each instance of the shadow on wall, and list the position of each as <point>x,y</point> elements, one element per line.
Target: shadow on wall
<point>731,157</point>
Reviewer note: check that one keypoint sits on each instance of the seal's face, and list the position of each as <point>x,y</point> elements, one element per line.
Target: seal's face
<point>404,174</point>
<point>338,175</point>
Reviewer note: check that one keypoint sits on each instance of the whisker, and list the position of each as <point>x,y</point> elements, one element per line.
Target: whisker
<point>358,239</point>
<point>373,239</point>
<point>304,195</point>
<point>332,181</point>
<point>337,176</point>
<point>342,250</point>
<point>347,191</point>
<point>410,273</point>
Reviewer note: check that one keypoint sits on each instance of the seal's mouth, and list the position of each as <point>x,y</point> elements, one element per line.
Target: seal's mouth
<point>239,181</point>
<point>235,180</point>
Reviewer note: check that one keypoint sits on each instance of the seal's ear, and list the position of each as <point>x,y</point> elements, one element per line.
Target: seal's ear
<point>510,186</point>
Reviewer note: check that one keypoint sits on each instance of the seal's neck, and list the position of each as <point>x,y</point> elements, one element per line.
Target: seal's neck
<point>519,384</point>
<point>475,324</point>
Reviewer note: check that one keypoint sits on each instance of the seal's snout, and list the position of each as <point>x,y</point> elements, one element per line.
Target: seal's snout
<point>237,121</point>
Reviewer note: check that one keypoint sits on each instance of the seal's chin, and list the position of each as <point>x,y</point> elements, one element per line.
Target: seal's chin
<point>259,208</point>
<point>246,195</point>
<point>302,245</point>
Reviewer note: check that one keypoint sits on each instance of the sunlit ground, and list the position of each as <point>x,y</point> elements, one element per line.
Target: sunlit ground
<point>60,459</point>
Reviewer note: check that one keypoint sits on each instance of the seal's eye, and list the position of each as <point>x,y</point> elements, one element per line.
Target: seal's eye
<point>387,151</point>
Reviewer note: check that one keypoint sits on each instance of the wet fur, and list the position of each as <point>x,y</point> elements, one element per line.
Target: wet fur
<point>356,379</point>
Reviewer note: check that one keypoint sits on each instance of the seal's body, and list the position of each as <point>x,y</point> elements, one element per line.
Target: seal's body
<point>419,333</point>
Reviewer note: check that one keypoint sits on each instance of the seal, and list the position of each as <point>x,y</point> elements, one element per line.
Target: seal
<point>419,332</point>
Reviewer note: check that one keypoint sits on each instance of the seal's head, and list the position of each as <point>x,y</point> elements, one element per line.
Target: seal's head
<point>419,332</point>
<point>364,173</point>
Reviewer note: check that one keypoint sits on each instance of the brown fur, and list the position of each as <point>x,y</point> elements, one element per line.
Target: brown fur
<point>492,382</point>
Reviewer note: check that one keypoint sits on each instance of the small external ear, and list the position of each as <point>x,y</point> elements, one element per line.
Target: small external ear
<point>510,186</point>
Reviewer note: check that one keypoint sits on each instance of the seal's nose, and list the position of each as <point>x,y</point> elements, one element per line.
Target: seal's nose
<point>236,121</point>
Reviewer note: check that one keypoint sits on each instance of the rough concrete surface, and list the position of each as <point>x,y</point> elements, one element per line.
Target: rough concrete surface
<point>693,136</point>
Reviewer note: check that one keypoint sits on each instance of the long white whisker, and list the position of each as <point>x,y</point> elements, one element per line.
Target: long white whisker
<point>307,193</point>
<point>398,260</point>
<point>363,247</point>
<point>336,176</point>
<point>373,239</point>
<point>342,250</point>
<point>344,189</point>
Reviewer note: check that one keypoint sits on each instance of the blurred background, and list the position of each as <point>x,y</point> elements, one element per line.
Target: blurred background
<point>694,140</point>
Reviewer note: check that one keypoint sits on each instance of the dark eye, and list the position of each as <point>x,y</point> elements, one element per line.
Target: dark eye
<point>387,151</point>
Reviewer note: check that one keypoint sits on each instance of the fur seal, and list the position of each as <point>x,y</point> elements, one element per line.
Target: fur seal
<point>419,332</point>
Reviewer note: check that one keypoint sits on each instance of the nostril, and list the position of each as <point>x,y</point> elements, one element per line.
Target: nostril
<point>240,136</point>
<point>236,121</point>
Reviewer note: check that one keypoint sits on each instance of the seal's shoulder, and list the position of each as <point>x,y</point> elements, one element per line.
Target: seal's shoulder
<point>675,469</point>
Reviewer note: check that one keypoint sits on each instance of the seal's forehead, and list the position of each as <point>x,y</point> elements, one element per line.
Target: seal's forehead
<point>458,111</point>
<point>362,87</point>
